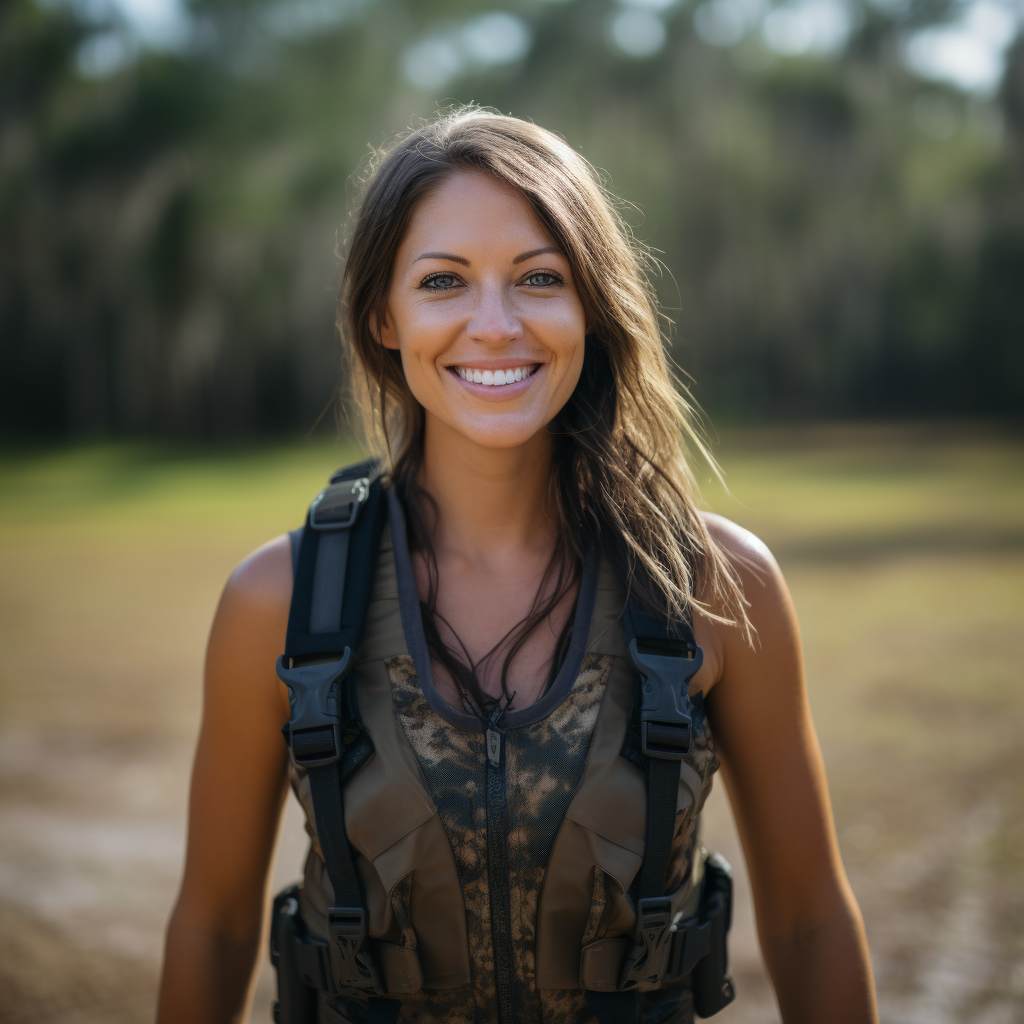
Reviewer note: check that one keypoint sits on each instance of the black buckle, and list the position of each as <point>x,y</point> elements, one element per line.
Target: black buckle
<point>645,965</point>
<point>314,730</point>
<point>337,506</point>
<point>351,961</point>
<point>666,729</point>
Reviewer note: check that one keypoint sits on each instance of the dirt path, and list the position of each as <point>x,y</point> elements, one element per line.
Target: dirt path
<point>914,675</point>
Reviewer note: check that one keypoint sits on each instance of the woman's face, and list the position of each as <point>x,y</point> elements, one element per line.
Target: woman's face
<point>485,313</point>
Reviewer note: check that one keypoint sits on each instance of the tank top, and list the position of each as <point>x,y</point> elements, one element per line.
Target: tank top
<point>545,757</point>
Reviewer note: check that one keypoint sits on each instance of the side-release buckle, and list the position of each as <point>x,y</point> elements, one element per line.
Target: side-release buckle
<point>314,730</point>
<point>666,729</point>
<point>644,966</point>
<point>351,961</point>
<point>337,506</point>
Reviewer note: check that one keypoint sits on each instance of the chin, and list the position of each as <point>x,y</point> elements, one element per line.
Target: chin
<point>499,436</point>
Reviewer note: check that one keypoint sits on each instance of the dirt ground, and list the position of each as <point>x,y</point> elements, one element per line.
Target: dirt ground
<point>904,550</point>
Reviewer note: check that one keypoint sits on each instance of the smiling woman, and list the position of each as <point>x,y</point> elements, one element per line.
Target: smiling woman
<point>482,291</point>
<point>515,654</point>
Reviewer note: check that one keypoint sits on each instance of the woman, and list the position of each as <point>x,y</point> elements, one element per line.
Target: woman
<point>537,487</point>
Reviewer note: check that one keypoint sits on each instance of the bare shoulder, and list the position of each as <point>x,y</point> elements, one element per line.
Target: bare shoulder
<point>768,605</point>
<point>744,549</point>
<point>253,609</point>
<point>249,629</point>
<point>764,587</point>
<point>263,579</point>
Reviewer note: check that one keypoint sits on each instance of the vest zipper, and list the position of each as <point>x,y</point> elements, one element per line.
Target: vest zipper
<point>497,869</point>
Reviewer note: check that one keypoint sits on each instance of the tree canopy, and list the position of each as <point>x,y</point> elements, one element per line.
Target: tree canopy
<point>837,236</point>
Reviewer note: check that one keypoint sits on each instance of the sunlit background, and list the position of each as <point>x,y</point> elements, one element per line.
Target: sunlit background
<point>832,193</point>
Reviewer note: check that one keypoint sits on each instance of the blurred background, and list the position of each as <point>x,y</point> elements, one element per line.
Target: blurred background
<point>835,192</point>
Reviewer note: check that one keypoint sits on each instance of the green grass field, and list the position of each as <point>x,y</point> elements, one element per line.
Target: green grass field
<point>904,549</point>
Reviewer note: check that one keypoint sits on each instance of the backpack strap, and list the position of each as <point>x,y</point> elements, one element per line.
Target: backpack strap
<point>337,555</point>
<point>666,658</point>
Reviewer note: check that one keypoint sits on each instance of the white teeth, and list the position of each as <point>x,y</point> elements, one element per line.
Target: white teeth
<point>495,378</point>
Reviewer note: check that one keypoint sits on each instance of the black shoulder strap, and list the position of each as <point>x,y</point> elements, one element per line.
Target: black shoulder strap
<point>666,658</point>
<point>331,592</point>
<point>337,557</point>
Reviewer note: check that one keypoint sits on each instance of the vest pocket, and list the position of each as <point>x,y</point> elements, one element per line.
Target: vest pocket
<point>602,954</point>
<point>578,905</point>
<point>400,967</point>
<point>420,926</point>
<point>604,951</point>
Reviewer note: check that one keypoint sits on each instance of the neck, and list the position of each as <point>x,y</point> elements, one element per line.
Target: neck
<point>490,501</point>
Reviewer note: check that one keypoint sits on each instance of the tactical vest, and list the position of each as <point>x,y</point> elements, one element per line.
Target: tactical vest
<point>413,904</point>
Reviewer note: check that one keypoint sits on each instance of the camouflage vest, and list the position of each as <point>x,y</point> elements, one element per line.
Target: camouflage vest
<point>416,814</point>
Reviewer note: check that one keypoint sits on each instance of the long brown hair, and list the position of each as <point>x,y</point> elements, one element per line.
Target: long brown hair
<point>620,475</point>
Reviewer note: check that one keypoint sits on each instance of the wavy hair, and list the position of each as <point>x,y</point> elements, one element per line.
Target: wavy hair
<point>620,474</point>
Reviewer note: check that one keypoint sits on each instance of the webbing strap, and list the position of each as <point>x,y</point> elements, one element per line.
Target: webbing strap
<point>662,794</point>
<point>329,812</point>
<point>613,1007</point>
<point>330,595</point>
<point>662,774</point>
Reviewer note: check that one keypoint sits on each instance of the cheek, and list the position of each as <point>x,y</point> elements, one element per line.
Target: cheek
<point>421,376</point>
<point>421,346</point>
<point>573,344</point>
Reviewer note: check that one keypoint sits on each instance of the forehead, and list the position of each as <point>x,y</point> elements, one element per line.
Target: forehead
<point>471,210</point>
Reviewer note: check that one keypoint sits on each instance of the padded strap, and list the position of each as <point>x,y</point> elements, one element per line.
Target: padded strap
<point>334,574</point>
<point>329,582</point>
<point>331,592</point>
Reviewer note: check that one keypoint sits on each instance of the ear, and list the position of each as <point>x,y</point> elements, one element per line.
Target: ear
<point>384,331</point>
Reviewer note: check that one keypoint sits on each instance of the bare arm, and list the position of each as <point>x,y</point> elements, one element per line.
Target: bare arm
<point>238,789</point>
<point>810,928</point>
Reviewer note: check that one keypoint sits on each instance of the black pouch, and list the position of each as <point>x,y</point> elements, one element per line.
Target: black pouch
<point>296,1001</point>
<point>712,986</point>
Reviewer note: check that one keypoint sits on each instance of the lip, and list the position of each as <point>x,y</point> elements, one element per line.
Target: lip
<point>495,392</point>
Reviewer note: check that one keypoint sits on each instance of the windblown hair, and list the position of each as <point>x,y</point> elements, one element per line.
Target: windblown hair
<point>620,474</point>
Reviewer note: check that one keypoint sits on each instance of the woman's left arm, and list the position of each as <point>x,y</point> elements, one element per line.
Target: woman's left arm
<point>809,925</point>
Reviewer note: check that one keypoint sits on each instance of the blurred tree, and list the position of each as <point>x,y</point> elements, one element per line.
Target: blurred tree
<point>993,358</point>
<point>837,236</point>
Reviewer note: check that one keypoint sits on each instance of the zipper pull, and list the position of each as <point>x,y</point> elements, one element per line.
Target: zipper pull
<point>495,741</point>
<point>495,734</point>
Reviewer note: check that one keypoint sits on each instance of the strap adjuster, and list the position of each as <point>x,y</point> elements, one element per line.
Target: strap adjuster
<point>666,728</point>
<point>337,506</point>
<point>314,730</point>
<point>645,965</point>
<point>351,961</point>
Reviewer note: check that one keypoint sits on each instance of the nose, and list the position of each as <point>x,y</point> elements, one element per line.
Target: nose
<point>493,321</point>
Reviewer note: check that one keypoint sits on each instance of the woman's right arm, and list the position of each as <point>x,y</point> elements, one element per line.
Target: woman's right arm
<point>239,783</point>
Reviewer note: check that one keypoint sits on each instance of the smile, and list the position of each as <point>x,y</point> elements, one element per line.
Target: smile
<point>495,378</point>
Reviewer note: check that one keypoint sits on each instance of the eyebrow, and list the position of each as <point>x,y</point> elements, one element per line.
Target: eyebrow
<point>442,256</point>
<point>461,259</point>
<point>537,252</point>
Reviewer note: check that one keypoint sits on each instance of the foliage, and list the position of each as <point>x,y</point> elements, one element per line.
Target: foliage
<point>838,237</point>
